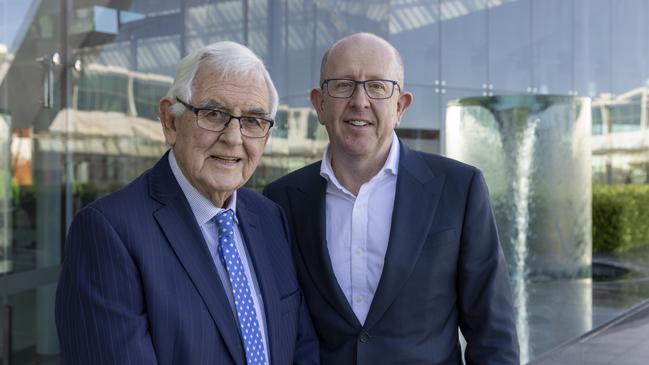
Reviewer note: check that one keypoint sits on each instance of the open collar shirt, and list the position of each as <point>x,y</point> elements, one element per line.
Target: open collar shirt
<point>358,229</point>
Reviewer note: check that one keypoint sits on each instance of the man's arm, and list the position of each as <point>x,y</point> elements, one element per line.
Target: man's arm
<point>484,294</point>
<point>307,347</point>
<point>100,307</point>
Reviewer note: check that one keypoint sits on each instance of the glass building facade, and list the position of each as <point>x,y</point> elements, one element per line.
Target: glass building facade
<point>80,81</point>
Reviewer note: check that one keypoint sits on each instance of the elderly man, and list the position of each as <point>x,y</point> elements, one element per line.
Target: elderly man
<point>396,248</point>
<point>183,266</point>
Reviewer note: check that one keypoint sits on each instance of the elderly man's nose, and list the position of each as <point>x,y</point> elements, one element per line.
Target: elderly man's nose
<point>232,132</point>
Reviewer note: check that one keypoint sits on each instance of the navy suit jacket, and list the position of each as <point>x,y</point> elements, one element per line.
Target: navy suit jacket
<point>138,284</point>
<point>444,269</point>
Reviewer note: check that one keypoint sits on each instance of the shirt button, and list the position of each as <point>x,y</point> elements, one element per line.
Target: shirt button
<point>364,337</point>
<point>358,251</point>
<point>359,298</point>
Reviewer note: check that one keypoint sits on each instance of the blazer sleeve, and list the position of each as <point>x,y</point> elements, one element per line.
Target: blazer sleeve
<point>100,308</point>
<point>307,347</point>
<point>484,294</point>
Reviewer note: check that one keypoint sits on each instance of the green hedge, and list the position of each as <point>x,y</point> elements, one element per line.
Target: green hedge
<point>620,217</point>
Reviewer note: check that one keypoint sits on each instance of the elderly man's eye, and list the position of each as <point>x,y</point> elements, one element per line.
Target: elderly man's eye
<point>215,115</point>
<point>252,123</point>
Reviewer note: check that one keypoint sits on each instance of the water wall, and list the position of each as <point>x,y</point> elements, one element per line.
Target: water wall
<point>534,151</point>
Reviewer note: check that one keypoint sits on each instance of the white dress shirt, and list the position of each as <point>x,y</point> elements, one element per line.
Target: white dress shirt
<point>358,229</point>
<point>204,211</point>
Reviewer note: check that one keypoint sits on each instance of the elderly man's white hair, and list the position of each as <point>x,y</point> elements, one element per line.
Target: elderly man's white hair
<point>226,58</point>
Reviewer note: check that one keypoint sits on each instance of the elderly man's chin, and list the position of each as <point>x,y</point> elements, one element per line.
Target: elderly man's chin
<point>226,179</point>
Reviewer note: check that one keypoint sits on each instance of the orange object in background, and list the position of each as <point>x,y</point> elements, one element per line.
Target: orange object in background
<point>21,157</point>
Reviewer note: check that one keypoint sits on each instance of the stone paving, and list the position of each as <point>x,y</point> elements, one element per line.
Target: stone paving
<point>619,313</point>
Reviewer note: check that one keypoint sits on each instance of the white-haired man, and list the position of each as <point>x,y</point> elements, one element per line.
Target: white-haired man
<point>183,266</point>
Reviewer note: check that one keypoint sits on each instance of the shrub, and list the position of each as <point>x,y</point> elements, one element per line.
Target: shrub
<point>620,217</point>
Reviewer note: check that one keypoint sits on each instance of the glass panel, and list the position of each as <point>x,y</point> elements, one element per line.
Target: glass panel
<point>629,45</point>
<point>424,110</point>
<point>592,65</point>
<point>552,42</point>
<point>464,43</point>
<point>510,53</point>
<point>33,197</point>
<point>414,31</point>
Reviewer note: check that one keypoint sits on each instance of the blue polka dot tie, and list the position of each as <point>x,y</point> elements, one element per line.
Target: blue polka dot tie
<point>248,323</point>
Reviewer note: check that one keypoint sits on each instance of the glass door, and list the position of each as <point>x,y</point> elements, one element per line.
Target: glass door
<point>33,95</point>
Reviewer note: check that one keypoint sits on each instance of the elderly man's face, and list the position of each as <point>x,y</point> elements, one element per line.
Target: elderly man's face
<point>217,163</point>
<point>360,127</point>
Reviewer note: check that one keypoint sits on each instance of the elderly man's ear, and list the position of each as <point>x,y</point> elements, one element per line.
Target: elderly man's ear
<point>168,121</point>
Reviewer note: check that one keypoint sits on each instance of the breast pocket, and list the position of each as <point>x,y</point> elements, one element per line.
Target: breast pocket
<point>442,237</point>
<point>290,302</point>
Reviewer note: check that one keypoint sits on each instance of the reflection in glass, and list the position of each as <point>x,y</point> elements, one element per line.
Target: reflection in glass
<point>5,193</point>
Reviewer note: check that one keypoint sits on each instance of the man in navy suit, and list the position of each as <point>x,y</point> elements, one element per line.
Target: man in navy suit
<point>183,266</point>
<point>396,249</point>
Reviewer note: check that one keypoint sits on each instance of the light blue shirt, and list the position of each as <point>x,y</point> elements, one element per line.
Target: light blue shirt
<point>204,211</point>
<point>358,229</point>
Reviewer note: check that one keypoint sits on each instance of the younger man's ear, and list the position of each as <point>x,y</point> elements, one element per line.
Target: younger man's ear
<point>317,101</point>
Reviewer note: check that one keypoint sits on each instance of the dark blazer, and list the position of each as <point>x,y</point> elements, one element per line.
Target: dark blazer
<point>444,269</point>
<point>138,284</point>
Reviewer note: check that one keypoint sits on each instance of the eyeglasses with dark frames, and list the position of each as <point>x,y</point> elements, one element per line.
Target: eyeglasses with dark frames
<point>216,120</point>
<point>374,89</point>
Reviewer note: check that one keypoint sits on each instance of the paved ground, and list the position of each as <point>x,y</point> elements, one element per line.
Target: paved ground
<point>623,341</point>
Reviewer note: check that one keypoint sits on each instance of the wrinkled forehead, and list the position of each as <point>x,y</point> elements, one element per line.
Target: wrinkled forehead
<point>241,90</point>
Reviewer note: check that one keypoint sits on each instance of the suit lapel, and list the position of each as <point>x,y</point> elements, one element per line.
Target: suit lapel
<point>183,233</point>
<point>308,209</point>
<point>417,186</point>
<point>255,243</point>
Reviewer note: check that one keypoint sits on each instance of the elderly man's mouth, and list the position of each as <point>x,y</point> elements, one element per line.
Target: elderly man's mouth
<point>226,159</point>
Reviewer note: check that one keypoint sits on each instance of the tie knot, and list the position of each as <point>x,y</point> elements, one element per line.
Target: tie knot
<point>225,220</point>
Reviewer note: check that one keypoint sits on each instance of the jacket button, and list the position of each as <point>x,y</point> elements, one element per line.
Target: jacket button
<point>364,337</point>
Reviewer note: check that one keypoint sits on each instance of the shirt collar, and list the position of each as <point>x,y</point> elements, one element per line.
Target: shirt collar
<point>204,210</point>
<point>391,165</point>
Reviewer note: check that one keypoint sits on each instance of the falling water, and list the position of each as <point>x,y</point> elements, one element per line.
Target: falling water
<point>523,158</point>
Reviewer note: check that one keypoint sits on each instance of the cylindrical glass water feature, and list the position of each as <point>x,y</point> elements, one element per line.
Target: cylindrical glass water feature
<point>534,151</point>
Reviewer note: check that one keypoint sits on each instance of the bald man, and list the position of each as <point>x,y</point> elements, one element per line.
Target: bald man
<point>396,248</point>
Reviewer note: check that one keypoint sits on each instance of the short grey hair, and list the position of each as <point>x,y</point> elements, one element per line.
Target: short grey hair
<point>226,58</point>
<point>397,56</point>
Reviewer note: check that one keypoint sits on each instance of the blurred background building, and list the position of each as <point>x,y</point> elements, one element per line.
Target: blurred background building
<point>80,81</point>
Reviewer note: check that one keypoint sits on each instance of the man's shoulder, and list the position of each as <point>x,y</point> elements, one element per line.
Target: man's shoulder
<point>296,178</point>
<point>443,165</point>
<point>126,200</point>
<point>255,201</point>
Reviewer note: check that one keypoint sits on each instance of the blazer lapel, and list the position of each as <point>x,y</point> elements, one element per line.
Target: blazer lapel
<point>183,233</point>
<point>255,243</point>
<point>417,186</point>
<point>308,209</point>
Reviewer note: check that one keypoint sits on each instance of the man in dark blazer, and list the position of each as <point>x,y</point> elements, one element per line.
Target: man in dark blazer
<point>396,249</point>
<point>183,266</point>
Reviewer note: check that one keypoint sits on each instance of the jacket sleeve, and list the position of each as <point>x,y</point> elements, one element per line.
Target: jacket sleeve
<point>100,309</point>
<point>484,294</point>
<point>307,347</point>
